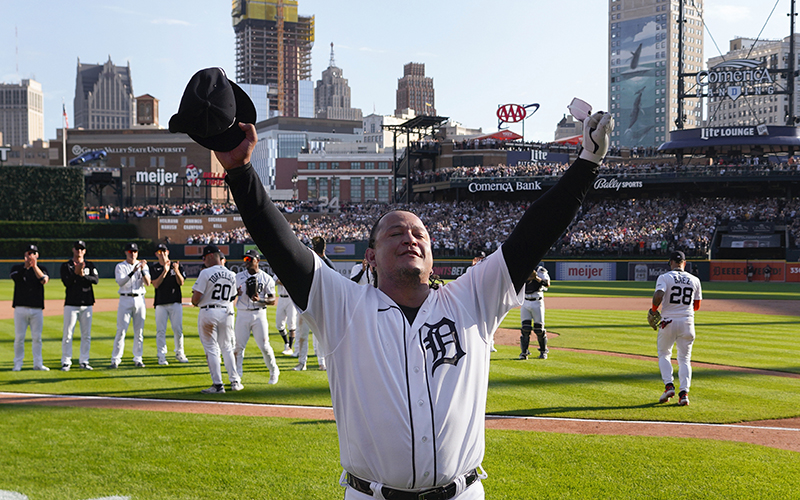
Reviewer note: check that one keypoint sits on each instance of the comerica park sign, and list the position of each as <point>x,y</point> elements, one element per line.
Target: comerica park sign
<point>737,78</point>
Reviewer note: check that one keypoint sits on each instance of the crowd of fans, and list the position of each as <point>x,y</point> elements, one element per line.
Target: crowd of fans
<point>605,227</point>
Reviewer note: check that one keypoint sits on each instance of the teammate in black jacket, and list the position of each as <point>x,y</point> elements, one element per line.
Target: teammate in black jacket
<point>29,280</point>
<point>79,276</point>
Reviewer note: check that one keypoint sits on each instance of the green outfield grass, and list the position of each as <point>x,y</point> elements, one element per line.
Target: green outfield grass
<point>89,453</point>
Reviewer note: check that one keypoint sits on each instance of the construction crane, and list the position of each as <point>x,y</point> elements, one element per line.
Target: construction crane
<point>281,83</point>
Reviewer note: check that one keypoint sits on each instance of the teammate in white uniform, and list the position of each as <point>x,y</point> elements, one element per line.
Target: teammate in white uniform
<point>679,295</point>
<point>532,312</point>
<point>408,364</point>
<point>285,318</point>
<point>256,291</point>
<point>132,276</point>
<point>214,293</point>
<point>362,274</point>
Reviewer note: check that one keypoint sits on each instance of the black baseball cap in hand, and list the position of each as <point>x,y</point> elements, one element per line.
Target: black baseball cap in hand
<point>211,109</point>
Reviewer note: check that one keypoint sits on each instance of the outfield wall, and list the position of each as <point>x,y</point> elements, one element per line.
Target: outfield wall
<point>574,270</point>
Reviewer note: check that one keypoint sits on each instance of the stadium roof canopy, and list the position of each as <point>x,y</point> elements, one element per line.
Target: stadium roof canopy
<point>744,139</point>
<point>500,135</point>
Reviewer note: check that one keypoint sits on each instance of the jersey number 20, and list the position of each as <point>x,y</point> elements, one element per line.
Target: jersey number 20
<point>221,292</point>
<point>681,295</point>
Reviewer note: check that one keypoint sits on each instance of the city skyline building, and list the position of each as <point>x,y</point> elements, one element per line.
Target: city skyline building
<point>104,97</point>
<point>750,102</point>
<point>273,50</point>
<point>332,95</point>
<point>415,91</point>
<point>21,113</point>
<point>643,68</point>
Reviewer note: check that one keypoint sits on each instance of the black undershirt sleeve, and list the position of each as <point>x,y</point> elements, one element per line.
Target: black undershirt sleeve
<point>545,220</point>
<point>292,261</point>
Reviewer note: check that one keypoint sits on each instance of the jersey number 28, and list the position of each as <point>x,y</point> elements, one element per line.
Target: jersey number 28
<point>681,295</point>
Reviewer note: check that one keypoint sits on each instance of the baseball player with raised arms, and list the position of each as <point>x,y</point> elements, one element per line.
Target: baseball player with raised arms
<point>679,294</point>
<point>214,293</point>
<point>132,276</point>
<point>532,312</point>
<point>256,291</point>
<point>285,318</point>
<point>408,363</point>
<point>79,276</point>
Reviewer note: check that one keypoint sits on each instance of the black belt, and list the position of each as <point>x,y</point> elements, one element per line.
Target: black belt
<point>537,298</point>
<point>213,307</point>
<point>130,294</point>
<point>438,493</point>
<point>285,296</point>
<point>256,309</point>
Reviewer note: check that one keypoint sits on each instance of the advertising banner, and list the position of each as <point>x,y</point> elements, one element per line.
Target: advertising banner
<point>649,271</point>
<point>586,271</point>
<point>736,270</point>
<point>793,272</point>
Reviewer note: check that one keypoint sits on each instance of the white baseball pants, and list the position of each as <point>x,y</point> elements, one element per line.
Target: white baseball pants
<point>303,333</point>
<point>174,313</point>
<point>286,314</point>
<point>255,321</point>
<point>24,317</point>
<point>73,315</point>
<point>215,327</point>
<point>678,331</point>
<point>129,308</point>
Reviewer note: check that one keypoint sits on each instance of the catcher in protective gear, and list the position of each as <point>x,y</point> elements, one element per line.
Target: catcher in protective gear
<point>654,318</point>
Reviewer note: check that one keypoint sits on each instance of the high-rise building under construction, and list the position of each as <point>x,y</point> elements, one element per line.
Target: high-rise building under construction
<point>273,54</point>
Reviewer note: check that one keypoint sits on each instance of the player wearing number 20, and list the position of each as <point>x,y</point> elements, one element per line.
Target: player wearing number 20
<point>214,293</point>
<point>679,295</point>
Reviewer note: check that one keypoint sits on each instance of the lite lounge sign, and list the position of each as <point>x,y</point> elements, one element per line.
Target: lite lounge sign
<point>711,133</point>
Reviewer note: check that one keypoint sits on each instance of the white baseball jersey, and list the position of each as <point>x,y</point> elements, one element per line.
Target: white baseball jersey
<point>680,289</point>
<point>265,286</point>
<point>286,312</point>
<point>218,286</point>
<point>130,284</point>
<point>426,381</point>
<point>366,276</point>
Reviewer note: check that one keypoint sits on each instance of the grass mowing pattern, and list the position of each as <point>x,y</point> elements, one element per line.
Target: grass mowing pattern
<point>77,453</point>
<point>74,454</point>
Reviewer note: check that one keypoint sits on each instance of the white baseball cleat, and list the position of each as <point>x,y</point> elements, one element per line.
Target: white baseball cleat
<point>163,362</point>
<point>273,378</point>
<point>214,389</point>
<point>86,366</point>
<point>684,399</point>
<point>41,368</point>
<point>181,358</point>
<point>65,367</point>
<point>287,350</point>
<point>301,367</point>
<point>236,385</point>
<point>669,392</point>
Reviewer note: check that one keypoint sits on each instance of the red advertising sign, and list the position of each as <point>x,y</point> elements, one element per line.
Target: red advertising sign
<point>793,272</point>
<point>511,113</point>
<point>736,270</point>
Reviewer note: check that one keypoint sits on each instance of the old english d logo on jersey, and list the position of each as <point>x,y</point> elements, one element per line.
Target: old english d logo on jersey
<point>442,340</point>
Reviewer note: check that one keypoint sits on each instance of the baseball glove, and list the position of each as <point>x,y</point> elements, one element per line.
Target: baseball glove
<point>653,318</point>
<point>252,286</point>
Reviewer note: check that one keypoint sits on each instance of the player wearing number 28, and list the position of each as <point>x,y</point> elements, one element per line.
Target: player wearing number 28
<point>214,293</point>
<point>679,295</point>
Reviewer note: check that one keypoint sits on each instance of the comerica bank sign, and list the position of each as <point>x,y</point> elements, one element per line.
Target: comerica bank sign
<point>736,78</point>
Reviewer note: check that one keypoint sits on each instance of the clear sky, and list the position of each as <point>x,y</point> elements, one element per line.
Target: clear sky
<point>480,54</point>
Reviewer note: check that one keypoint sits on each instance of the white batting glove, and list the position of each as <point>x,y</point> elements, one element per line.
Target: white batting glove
<point>596,136</point>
